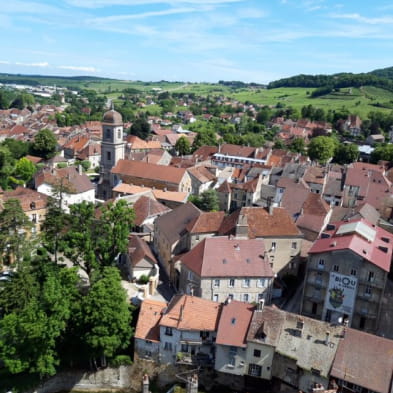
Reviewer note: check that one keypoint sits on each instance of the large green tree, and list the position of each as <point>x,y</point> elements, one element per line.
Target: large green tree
<point>207,201</point>
<point>106,316</point>
<point>322,148</point>
<point>34,321</point>
<point>14,233</point>
<point>383,152</point>
<point>183,146</point>
<point>346,153</point>
<point>54,226</point>
<point>141,128</point>
<point>44,144</point>
<point>94,241</point>
<point>6,166</point>
<point>24,170</point>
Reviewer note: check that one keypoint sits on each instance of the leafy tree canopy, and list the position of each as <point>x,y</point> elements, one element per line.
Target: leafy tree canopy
<point>183,146</point>
<point>346,153</point>
<point>44,144</point>
<point>207,201</point>
<point>322,148</point>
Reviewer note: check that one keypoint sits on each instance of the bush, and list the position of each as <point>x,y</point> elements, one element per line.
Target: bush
<point>62,165</point>
<point>143,279</point>
<point>121,360</point>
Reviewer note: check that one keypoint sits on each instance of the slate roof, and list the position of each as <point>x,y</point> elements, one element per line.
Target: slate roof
<point>145,170</point>
<point>147,327</point>
<point>186,312</point>
<point>224,257</point>
<point>365,360</point>
<point>234,322</point>
<point>173,224</point>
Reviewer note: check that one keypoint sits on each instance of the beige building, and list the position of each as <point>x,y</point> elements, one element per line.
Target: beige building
<point>151,175</point>
<point>32,202</point>
<point>282,239</point>
<point>219,268</point>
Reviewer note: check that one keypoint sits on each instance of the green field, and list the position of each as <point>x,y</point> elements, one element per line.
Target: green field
<point>358,101</point>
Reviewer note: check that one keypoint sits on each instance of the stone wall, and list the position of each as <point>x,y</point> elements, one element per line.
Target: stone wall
<point>128,378</point>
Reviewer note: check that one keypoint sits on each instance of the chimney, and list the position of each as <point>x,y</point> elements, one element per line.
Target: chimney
<point>145,384</point>
<point>261,304</point>
<point>80,169</point>
<point>192,384</point>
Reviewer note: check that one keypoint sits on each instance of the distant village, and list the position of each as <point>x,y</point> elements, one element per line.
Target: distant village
<point>286,284</point>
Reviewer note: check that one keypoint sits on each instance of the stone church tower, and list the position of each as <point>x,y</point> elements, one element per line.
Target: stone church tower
<point>112,150</point>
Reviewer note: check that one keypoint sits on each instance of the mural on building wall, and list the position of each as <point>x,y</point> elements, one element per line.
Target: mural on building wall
<point>341,293</point>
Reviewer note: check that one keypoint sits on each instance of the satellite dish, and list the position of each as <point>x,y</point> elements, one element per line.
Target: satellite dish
<point>340,320</point>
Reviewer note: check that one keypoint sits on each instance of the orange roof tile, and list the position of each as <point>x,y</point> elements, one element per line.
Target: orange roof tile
<point>234,322</point>
<point>183,309</point>
<point>144,170</point>
<point>147,327</point>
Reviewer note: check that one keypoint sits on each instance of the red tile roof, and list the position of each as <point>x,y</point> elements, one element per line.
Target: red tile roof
<point>146,207</point>
<point>138,249</point>
<point>191,313</point>
<point>315,175</point>
<point>224,257</point>
<point>207,222</point>
<point>201,173</point>
<point>234,322</point>
<point>147,327</point>
<point>29,199</point>
<point>77,143</point>
<point>349,236</point>
<point>263,224</point>
<point>144,170</point>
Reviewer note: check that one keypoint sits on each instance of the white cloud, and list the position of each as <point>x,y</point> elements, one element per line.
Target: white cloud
<point>363,19</point>
<point>117,18</point>
<point>109,3</point>
<point>28,7</point>
<point>78,68</point>
<point>42,64</point>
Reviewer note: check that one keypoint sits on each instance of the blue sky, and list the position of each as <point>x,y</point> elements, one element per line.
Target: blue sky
<point>195,40</point>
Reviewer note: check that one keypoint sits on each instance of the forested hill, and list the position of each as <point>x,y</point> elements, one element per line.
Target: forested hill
<point>380,78</point>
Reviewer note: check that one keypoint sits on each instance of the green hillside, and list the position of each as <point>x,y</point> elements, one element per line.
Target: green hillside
<point>358,100</point>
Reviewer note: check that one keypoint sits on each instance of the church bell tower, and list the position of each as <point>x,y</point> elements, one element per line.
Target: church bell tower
<point>112,150</point>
